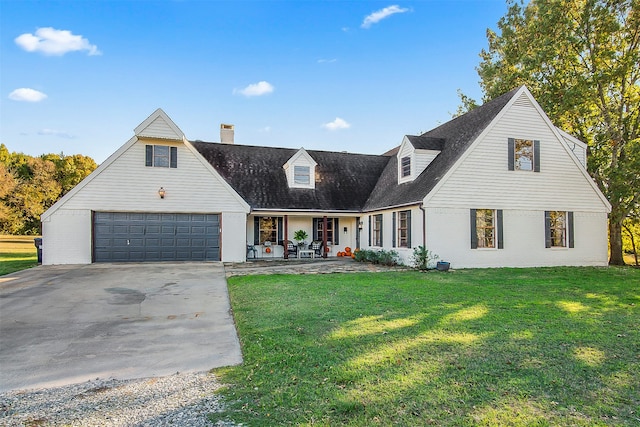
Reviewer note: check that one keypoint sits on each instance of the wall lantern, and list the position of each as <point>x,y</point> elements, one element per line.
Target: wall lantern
<point>360,225</point>
<point>345,230</point>
<point>161,192</point>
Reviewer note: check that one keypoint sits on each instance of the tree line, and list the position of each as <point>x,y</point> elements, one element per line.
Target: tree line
<point>30,185</point>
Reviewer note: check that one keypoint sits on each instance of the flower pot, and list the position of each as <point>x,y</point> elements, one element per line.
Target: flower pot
<point>442,266</point>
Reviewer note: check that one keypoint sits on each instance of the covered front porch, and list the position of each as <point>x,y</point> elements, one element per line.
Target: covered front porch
<point>300,235</point>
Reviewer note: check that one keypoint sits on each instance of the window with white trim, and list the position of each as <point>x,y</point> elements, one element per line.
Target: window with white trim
<point>302,175</point>
<point>376,230</point>
<point>558,227</point>
<point>161,156</point>
<point>524,154</point>
<point>406,166</point>
<point>486,228</point>
<point>404,229</point>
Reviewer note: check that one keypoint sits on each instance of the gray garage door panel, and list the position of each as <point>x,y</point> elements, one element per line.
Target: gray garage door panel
<point>138,237</point>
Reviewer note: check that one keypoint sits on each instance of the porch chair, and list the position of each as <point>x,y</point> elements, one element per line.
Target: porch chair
<point>316,245</point>
<point>252,248</point>
<point>292,248</point>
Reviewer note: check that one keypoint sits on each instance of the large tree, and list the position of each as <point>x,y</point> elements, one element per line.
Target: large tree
<point>580,59</point>
<point>30,185</point>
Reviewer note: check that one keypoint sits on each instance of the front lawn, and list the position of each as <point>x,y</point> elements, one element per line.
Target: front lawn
<point>520,347</point>
<point>17,253</point>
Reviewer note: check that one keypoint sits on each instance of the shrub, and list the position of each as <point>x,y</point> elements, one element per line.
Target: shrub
<point>381,256</point>
<point>423,259</point>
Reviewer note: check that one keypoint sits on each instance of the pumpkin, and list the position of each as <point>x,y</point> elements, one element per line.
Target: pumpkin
<point>327,249</point>
<point>353,256</point>
<point>340,254</point>
<point>347,250</point>
<point>268,250</point>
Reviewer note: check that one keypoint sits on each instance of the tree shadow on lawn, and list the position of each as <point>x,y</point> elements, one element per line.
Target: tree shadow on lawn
<point>534,346</point>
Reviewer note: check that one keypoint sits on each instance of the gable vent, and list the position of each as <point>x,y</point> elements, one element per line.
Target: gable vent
<point>523,101</point>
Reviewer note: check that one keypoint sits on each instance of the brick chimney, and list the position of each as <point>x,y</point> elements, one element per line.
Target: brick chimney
<point>226,134</point>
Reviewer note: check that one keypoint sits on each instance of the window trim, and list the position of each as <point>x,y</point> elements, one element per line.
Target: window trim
<point>498,234</point>
<point>151,156</point>
<point>405,167</point>
<point>397,229</point>
<point>511,153</point>
<point>376,233</point>
<point>302,171</point>
<point>567,230</point>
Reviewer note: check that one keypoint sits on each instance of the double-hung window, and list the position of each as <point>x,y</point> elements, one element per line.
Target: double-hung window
<point>161,156</point>
<point>486,229</point>
<point>332,230</point>
<point>523,154</point>
<point>301,175</point>
<point>267,229</point>
<point>402,229</point>
<point>376,229</point>
<point>558,227</point>
<point>406,166</point>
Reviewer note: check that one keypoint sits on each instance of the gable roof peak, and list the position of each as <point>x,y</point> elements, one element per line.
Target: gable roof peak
<point>159,125</point>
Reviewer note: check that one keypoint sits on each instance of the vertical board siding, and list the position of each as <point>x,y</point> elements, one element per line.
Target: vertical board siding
<point>483,178</point>
<point>128,185</point>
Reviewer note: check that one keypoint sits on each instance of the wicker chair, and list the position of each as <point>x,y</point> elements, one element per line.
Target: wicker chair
<point>316,245</point>
<point>292,248</point>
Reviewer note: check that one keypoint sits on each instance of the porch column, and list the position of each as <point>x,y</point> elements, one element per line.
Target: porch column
<point>324,236</point>
<point>286,236</point>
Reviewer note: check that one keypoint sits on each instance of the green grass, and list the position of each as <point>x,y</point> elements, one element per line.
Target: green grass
<point>519,347</point>
<point>17,253</point>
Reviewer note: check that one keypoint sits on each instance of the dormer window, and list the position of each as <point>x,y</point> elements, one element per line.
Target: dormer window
<point>301,175</point>
<point>406,166</point>
<point>300,170</point>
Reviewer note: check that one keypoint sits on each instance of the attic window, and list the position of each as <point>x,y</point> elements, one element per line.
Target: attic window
<point>161,156</point>
<point>406,166</point>
<point>302,175</point>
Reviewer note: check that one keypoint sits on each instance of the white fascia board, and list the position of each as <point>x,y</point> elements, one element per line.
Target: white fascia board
<point>57,205</point>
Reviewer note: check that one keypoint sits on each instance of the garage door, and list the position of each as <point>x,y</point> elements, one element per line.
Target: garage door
<point>137,237</point>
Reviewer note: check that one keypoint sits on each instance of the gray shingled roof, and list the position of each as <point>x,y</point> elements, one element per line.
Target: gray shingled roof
<point>346,182</point>
<point>457,134</point>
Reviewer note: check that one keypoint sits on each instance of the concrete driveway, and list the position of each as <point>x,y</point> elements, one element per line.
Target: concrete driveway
<point>68,324</point>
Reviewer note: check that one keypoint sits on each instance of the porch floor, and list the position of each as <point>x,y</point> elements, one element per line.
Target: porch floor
<point>302,266</point>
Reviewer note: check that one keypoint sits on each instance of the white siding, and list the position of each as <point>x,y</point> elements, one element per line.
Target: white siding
<point>159,128</point>
<point>233,230</point>
<point>449,236</point>
<point>422,160</point>
<point>405,254</point>
<point>483,180</point>
<point>66,237</point>
<point>127,185</point>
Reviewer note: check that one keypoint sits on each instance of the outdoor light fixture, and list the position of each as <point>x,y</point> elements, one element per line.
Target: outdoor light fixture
<point>161,192</point>
<point>345,230</point>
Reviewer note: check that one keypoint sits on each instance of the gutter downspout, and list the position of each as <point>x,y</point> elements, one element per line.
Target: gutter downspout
<point>424,225</point>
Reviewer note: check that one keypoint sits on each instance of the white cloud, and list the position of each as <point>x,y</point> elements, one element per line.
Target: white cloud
<point>27,94</point>
<point>327,61</point>
<point>256,89</point>
<point>337,124</point>
<point>381,14</point>
<point>57,133</point>
<point>50,41</point>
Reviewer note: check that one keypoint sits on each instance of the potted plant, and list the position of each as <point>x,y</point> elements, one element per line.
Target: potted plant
<point>300,236</point>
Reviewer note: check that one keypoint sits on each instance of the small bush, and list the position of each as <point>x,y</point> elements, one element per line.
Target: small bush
<point>389,258</point>
<point>423,259</point>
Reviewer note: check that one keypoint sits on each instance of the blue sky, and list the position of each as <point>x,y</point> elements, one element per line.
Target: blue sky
<point>79,76</point>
